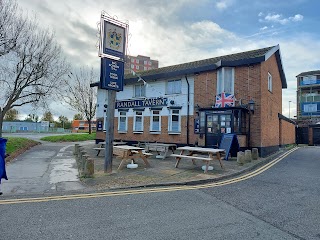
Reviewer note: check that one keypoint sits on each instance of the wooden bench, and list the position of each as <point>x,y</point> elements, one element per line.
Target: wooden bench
<point>98,149</point>
<point>196,157</point>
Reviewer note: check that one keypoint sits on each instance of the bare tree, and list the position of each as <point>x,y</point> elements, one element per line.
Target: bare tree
<point>11,25</point>
<point>32,71</point>
<point>80,96</point>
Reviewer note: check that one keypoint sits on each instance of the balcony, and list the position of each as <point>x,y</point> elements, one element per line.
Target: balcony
<point>310,83</point>
<point>310,108</point>
<point>313,98</point>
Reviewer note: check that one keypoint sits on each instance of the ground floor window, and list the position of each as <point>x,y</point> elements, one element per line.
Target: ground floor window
<point>174,120</point>
<point>122,121</point>
<point>155,121</point>
<point>138,121</point>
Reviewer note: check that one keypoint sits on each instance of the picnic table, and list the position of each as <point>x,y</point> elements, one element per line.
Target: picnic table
<point>207,155</point>
<point>126,152</point>
<point>161,148</point>
<point>101,146</point>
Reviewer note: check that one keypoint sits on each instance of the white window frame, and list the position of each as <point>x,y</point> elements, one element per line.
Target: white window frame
<point>221,80</point>
<point>123,114</point>
<point>132,66</point>
<point>137,67</point>
<point>132,60</point>
<point>269,82</point>
<point>141,92</point>
<point>174,86</point>
<point>137,60</point>
<point>174,112</point>
<point>137,114</point>
<point>145,68</point>
<point>145,62</point>
<point>155,113</point>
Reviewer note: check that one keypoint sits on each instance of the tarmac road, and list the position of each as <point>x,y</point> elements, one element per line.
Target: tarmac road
<point>281,202</point>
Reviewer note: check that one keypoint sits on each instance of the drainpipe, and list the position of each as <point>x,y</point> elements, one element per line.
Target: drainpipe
<point>188,109</point>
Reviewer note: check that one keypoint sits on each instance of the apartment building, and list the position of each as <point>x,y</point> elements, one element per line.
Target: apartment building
<point>308,107</point>
<point>139,63</point>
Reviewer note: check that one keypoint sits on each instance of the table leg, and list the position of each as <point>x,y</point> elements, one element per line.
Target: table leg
<point>219,157</point>
<point>146,162</point>
<point>178,159</point>
<point>123,159</point>
<point>193,161</point>
<point>207,167</point>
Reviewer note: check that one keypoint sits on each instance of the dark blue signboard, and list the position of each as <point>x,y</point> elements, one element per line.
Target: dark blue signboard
<point>111,74</point>
<point>230,144</point>
<point>197,125</point>
<point>142,103</point>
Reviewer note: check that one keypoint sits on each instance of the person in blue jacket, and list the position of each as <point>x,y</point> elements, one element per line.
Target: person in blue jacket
<point>3,174</point>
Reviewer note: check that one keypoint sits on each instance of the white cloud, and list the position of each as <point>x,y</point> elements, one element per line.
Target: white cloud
<point>263,28</point>
<point>296,18</point>
<point>223,4</point>
<point>278,18</point>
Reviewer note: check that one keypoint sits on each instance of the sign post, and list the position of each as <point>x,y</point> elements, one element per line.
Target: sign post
<point>112,50</point>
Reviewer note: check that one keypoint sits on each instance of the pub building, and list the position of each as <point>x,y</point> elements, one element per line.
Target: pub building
<point>196,103</point>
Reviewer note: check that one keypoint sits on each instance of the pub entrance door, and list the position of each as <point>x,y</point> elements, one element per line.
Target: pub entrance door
<point>217,124</point>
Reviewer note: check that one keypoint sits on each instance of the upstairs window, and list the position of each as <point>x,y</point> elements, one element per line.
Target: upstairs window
<point>269,82</point>
<point>139,90</point>
<point>174,86</point>
<point>225,80</point>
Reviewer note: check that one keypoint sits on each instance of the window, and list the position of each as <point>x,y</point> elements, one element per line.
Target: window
<point>155,121</point>
<point>137,67</point>
<point>225,82</point>
<point>139,90</point>
<point>145,68</point>
<point>202,122</point>
<point>174,120</point>
<point>145,62</point>
<point>132,66</point>
<point>137,60</point>
<point>138,121</point>
<point>122,121</point>
<point>174,86</point>
<point>132,60</point>
<point>269,82</point>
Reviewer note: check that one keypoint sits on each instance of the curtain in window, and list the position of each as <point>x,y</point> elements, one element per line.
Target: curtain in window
<point>228,80</point>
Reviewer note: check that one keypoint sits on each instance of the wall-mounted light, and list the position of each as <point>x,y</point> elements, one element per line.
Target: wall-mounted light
<point>172,102</point>
<point>251,104</point>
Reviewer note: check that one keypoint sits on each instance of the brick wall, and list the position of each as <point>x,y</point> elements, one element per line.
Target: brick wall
<point>271,103</point>
<point>287,132</point>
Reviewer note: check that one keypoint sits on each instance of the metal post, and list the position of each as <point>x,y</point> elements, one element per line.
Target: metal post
<point>109,131</point>
<point>289,109</point>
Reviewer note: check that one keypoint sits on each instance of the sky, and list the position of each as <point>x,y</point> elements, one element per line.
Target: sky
<point>179,31</point>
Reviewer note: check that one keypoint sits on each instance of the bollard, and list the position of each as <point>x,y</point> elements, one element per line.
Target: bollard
<point>240,158</point>
<point>89,167</point>
<point>255,154</point>
<point>247,156</point>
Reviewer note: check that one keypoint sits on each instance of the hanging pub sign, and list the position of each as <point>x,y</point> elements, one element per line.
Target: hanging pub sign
<point>113,38</point>
<point>111,74</point>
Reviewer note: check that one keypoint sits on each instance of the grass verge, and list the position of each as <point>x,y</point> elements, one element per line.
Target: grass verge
<point>70,138</point>
<point>16,145</point>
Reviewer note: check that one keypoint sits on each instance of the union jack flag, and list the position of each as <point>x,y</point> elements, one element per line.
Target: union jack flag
<point>224,100</point>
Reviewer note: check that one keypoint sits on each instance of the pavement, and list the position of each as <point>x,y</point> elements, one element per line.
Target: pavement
<point>50,168</point>
<point>163,172</point>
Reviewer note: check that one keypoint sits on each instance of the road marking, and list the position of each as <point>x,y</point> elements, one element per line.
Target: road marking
<point>151,190</point>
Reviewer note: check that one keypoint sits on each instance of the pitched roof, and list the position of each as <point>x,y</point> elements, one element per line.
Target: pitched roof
<point>315,72</point>
<point>231,60</point>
